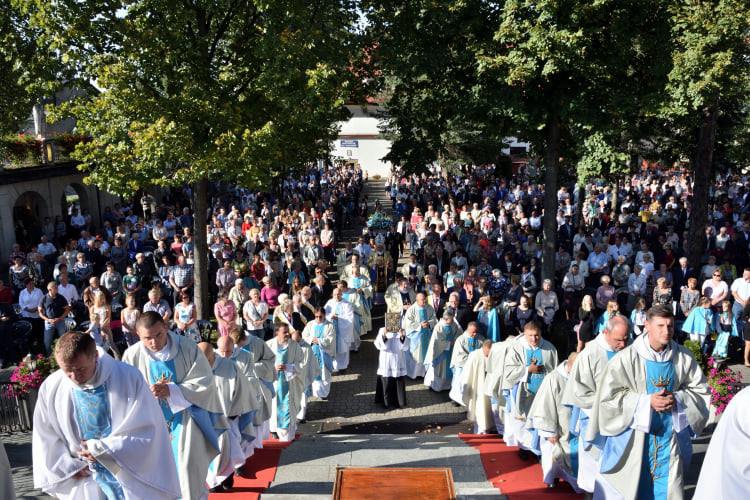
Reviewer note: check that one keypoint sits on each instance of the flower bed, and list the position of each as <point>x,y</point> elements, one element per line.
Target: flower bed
<point>29,375</point>
<point>723,383</point>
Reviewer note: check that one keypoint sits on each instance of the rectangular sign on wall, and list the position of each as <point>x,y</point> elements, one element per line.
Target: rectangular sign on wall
<point>349,143</point>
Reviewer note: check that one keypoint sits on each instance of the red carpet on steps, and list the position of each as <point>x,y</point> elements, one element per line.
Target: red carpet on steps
<point>263,465</point>
<point>514,477</point>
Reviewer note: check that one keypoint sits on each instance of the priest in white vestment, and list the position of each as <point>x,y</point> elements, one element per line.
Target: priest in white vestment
<point>418,322</point>
<point>356,300</point>
<point>527,362</point>
<point>255,360</point>
<point>98,431</point>
<point>495,366</point>
<point>341,315</point>
<point>549,421</point>
<point>320,335</point>
<point>288,383</point>
<point>438,357</point>
<point>238,402</point>
<point>466,343</point>
<point>362,285</point>
<point>725,474</point>
<point>580,394</point>
<point>182,381</point>
<point>392,344</point>
<point>348,269</point>
<point>310,368</point>
<point>475,398</point>
<point>653,398</point>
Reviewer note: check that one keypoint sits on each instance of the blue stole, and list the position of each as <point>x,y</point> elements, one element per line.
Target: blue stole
<point>283,417</point>
<point>94,422</point>
<point>206,422</point>
<point>535,379</point>
<point>419,340</point>
<point>158,370</point>
<point>656,457</point>
<point>324,359</point>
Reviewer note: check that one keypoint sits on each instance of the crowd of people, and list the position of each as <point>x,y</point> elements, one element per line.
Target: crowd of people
<point>479,321</point>
<point>467,313</point>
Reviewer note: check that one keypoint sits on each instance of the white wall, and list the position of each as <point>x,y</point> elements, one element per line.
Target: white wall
<point>369,154</point>
<point>362,141</point>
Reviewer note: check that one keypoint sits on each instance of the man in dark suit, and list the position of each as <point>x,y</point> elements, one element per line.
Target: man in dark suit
<point>438,299</point>
<point>680,275</point>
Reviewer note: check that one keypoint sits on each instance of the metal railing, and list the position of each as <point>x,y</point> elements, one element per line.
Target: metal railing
<point>15,414</point>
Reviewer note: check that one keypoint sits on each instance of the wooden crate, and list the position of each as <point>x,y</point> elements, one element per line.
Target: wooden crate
<point>406,483</point>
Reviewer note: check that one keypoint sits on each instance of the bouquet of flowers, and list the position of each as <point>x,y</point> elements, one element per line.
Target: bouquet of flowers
<point>29,374</point>
<point>723,383</point>
<point>379,221</point>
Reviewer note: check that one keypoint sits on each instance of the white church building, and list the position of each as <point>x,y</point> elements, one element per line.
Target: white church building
<point>360,141</point>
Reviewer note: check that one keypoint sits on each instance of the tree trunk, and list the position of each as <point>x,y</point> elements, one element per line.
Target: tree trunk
<point>582,194</point>
<point>615,194</point>
<point>702,172</point>
<point>552,167</point>
<point>200,206</point>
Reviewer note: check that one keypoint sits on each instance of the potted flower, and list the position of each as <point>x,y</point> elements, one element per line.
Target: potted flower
<point>723,384</point>
<point>26,379</point>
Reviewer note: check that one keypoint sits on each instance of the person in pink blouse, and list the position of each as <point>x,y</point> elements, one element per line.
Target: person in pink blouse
<point>226,314</point>
<point>270,293</point>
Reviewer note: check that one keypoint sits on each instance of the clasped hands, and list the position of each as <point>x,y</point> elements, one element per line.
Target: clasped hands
<point>662,401</point>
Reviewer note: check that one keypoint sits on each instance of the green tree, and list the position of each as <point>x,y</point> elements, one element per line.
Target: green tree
<point>564,63</point>
<point>436,105</point>
<point>198,91</point>
<point>29,71</point>
<point>710,51</point>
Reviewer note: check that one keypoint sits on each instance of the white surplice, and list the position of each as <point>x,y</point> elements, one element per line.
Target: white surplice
<point>391,361</point>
